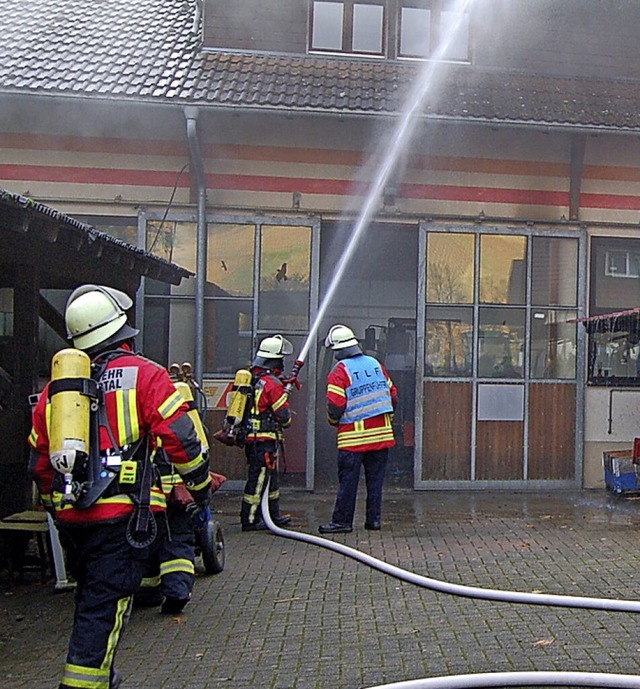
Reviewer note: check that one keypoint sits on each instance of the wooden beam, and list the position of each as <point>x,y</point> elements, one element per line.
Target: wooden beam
<point>25,333</point>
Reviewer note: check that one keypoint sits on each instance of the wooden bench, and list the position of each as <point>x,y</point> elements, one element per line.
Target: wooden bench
<point>51,556</point>
<point>23,525</point>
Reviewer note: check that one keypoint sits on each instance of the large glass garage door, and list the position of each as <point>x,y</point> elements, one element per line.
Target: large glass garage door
<point>501,353</point>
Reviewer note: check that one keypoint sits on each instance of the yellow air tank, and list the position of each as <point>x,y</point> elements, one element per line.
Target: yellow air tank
<point>69,427</point>
<point>185,390</point>
<point>240,394</point>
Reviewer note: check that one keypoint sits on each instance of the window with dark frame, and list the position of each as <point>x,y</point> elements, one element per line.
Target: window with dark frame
<point>231,295</point>
<point>613,326</point>
<point>413,28</point>
<point>422,24</point>
<point>348,26</point>
<point>507,331</point>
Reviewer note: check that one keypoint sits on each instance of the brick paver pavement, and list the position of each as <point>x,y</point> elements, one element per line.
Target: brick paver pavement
<point>288,615</point>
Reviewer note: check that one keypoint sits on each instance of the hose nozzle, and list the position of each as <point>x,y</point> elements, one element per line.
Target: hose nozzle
<point>292,381</point>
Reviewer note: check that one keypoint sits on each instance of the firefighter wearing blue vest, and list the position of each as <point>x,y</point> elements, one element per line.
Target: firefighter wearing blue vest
<point>95,428</point>
<point>361,399</point>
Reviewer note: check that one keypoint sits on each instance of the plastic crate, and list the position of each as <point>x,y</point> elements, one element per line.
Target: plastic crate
<point>620,473</point>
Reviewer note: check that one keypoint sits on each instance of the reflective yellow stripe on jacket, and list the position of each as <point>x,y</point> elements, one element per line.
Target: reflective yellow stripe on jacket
<point>127,414</point>
<point>169,406</point>
<point>360,434</point>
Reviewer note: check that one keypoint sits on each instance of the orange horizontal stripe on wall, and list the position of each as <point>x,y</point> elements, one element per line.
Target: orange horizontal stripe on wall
<point>319,156</point>
<point>49,142</point>
<point>83,175</point>
<point>493,166</point>
<point>612,174</point>
<point>338,187</point>
<point>450,192</point>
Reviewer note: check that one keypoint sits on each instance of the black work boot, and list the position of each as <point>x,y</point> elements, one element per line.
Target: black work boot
<point>256,526</point>
<point>332,527</point>
<point>173,606</point>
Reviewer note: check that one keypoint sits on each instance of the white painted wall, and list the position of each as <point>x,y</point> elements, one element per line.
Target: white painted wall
<point>624,410</point>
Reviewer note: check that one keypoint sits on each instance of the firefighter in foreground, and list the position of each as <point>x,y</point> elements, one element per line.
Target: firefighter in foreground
<point>361,398</point>
<point>269,414</point>
<point>95,428</point>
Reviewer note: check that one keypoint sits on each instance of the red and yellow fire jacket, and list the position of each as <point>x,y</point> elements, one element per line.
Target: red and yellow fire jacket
<point>361,398</point>
<point>140,403</point>
<point>270,412</point>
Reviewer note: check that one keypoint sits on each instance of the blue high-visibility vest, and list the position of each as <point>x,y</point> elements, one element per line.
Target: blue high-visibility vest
<point>368,395</point>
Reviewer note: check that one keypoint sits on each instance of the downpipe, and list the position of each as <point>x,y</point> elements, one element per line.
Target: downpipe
<point>197,166</point>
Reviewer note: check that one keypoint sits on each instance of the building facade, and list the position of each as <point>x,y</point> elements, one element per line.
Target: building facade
<point>253,143</point>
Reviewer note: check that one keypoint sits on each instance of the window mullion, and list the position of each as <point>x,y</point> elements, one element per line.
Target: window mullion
<point>436,28</point>
<point>347,27</point>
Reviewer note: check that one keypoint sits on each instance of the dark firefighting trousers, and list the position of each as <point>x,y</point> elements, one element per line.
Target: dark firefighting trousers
<point>170,571</point>
<point>261,465</point>
<point>108,571</point>
<point>349,463</point>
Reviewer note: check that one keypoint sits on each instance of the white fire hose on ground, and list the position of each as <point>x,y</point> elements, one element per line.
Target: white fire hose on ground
<point>550,599</point>
<point>519,679</point>
<point>491,679</point>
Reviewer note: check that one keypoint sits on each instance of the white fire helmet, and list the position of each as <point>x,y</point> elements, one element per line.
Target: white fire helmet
<point>340,337</point>
<point>273,347</point>
<point>95,315</point>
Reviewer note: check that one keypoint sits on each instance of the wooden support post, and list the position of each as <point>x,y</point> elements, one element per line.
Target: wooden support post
<point>25,333</point>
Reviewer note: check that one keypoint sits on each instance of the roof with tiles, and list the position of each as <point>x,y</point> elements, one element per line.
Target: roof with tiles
<point>26,220</point>
<point>148,51</point>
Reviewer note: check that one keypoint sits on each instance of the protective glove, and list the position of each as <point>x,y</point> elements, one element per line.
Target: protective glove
<point>292,382</point>
<point>216,481</point>
<point>200,518</point>
<point>201,500</point>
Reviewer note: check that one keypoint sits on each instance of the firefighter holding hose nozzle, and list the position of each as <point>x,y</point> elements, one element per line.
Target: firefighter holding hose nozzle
<point>268,415</point>
<point>95,427</point>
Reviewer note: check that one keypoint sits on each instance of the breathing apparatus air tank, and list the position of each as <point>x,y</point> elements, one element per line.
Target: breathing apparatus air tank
<point>240,395</point>
<point>185,390</point>
<point>69,428</point>
<point>233,432</point>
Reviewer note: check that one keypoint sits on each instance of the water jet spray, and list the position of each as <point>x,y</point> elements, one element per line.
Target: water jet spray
<point>399,139</point>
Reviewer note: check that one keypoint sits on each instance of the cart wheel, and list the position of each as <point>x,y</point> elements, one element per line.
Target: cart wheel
<point>213,547</point>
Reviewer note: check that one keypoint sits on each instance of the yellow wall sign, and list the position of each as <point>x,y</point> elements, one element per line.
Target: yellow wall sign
<point>216,392</point>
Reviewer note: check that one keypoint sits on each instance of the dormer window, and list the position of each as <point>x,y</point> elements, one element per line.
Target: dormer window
<point>422,25</point>
<point>388,28</point>
<point>348,26</point>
